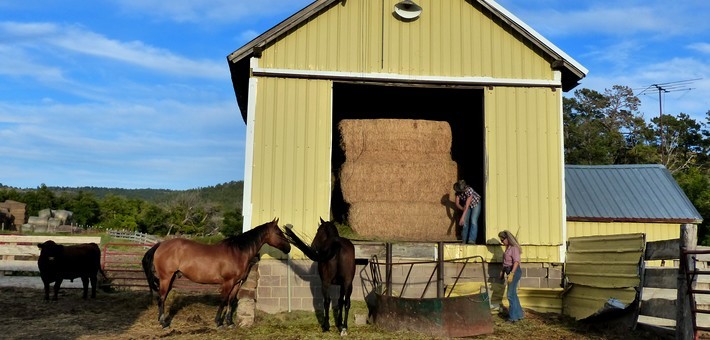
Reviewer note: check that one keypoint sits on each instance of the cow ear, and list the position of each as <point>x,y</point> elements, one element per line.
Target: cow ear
<point>321,220</point>
<point>40,245</point>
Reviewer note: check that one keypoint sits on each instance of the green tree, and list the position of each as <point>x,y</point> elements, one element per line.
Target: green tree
<point>233,222</point>
<point>119,213</point>
<point>85,209</point>
<point>603,128</point>
<point>152,219</point>
<point>681,142</point>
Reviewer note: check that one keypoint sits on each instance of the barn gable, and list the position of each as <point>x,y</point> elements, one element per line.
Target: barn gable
<point>454,41</point>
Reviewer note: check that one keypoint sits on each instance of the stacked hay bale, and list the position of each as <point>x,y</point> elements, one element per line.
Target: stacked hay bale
<point>397,178</point>
<point>16,212</point>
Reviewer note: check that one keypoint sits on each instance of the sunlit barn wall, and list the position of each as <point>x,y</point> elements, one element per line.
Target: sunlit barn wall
<point>291,162</point>
<point>524,151</point>
<point>454,38</point>
<point>653,231</point>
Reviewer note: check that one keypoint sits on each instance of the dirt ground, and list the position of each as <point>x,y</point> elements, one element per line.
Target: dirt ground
<point>133,315</point>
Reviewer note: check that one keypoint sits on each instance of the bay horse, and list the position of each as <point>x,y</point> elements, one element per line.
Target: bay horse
<point>335,256</point>
<point>227,263</point>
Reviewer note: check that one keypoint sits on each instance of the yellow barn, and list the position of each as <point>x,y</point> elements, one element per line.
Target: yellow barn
<point>471,64</point>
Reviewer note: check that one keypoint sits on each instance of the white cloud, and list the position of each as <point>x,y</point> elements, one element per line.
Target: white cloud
<point>214,11</point>
<point>76,39</point>
<point>700,47</point>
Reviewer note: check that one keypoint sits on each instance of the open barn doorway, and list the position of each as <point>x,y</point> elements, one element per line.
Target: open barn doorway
<point>461,108</point>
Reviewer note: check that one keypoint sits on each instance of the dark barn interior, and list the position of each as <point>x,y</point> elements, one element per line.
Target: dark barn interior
<point>461,107</point>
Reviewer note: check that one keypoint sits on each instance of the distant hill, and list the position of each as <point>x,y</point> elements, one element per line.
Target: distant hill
<point>228,195</point>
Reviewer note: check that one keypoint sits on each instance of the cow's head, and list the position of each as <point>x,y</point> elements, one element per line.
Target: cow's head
<point>49,250</point>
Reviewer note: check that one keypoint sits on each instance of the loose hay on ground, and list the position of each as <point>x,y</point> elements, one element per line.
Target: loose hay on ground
<point>133,315</point>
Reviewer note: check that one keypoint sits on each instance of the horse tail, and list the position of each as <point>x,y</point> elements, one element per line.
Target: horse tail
<point>149,268</point>
<point>306,249</point>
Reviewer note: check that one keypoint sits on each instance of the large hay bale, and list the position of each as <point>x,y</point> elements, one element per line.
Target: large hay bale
<point>397,181</point>
<point>45,213</point>
<point>414,221</point>
<point>394,139</point>
<point>38,221</point>
<point>65,216</point>
<point>397,177</point>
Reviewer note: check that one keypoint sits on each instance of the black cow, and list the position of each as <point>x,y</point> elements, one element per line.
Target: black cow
<point>57,262</point>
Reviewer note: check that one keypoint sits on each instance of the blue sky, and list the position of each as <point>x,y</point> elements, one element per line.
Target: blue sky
<point>137,93</point>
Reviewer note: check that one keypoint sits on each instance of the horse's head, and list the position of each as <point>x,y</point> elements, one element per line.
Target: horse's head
<point>276,238</point>
<point>326,231</point>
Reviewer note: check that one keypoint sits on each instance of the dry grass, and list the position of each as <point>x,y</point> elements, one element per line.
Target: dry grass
<point>133,315</point>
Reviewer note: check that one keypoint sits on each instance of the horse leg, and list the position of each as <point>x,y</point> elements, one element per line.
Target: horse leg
<point>325,290</point>
<point>225,303</point>
<point>338,310</point>
<point>345,291</point>
<point>233,304</point>
<point>165,287</point>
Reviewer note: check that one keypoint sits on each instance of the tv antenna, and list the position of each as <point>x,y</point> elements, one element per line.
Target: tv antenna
<point>663,88</point>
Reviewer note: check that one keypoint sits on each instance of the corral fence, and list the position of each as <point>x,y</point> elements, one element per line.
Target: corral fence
<point>679,292</point>
<point>134,236</point>
<point>122,263</point>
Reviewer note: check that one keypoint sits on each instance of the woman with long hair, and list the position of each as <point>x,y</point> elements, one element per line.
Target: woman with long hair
<point>511,267</point>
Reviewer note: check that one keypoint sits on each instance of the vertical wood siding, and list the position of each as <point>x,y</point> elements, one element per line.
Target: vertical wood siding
<point>653,231</point>
<point>291,168</point>
<point>524,154</point>
<point>450,38</point>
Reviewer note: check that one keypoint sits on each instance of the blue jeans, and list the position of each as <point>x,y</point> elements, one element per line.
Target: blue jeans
<point>470,225</point>
<point>515,311</point>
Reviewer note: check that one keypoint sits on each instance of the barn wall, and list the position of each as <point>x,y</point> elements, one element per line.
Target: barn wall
<point>451,38</point>
<point>291,176</point>
<point>525,172</point>
<point>653,231</point>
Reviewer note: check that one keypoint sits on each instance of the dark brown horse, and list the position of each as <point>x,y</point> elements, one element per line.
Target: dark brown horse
<point>335,256</point>
<point>227,263</point>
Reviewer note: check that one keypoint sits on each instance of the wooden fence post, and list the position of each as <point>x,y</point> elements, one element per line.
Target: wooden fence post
<point>684,318</point>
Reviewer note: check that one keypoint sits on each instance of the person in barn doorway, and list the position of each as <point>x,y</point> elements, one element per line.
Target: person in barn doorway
<point>511,268</point>
<point>468,201</point>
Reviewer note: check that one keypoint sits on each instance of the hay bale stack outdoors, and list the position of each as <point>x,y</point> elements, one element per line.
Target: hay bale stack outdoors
<point>397,178</point>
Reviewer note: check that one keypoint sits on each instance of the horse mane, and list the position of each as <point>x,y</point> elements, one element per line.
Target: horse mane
<point>248,240</point>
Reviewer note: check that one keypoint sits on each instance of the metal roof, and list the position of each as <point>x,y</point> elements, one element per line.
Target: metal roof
<point>630,193</point>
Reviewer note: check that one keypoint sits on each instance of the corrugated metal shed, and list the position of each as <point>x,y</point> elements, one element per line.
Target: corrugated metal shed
<point>612,193</point>
<point>601,270</point>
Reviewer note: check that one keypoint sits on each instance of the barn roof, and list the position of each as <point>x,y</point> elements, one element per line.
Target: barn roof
<point>626,193</point>
<point>572,71</point>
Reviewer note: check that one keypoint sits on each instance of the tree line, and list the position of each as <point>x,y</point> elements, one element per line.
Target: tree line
<point>205,211</point>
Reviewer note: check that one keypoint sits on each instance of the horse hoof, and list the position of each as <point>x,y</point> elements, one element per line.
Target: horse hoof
<point>344,332</point>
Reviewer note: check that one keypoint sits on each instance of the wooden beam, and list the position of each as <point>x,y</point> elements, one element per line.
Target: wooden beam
<point>684,318</point>
<point>659,308</point>
<point>661,278</point>
<point>663,250</point>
